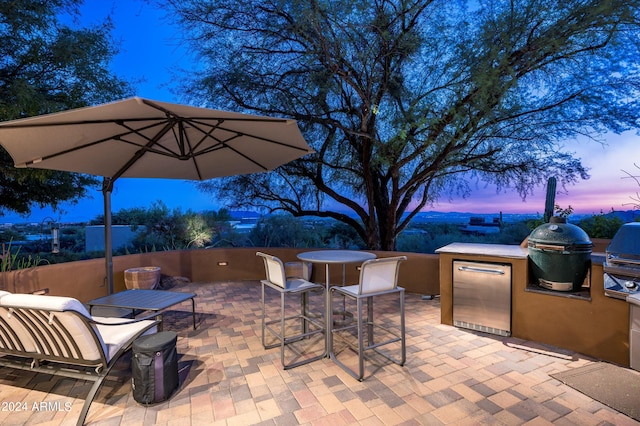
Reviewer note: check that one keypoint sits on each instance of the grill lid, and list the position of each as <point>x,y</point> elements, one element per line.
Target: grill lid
<point>622,264</point>
<point>625,244</point>
<point>559,235</point>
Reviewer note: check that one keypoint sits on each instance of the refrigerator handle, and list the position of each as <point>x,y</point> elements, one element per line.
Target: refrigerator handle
<point>483,270</point>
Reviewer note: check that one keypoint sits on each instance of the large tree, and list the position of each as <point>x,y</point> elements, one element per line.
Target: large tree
<point>48,66</point>
<point>408,100</point>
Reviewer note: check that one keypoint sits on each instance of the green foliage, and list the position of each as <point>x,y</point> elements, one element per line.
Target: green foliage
<point>197,230</point>
<point>403,101</point>
<point>72,239</point>
<point>163,229</point>
<point>160,228</point>
<point>46,66</point>
<point>514,233</point>
<point>534,223</point>
<point>21,189</point>
<point>10,234</point>
<point>601,225</point>
<point>133,216</point>
<point>342,236</point>
<point>428,237</point>
<point>561,212</point>
<point>11,259</point>
<point>221,230</point>
<point>283,231</point>
<point>558,211</point>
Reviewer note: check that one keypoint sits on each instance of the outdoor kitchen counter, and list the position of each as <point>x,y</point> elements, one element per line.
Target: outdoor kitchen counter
<point>597,325</point>
<point>514,255</point>
<point>495,250</point>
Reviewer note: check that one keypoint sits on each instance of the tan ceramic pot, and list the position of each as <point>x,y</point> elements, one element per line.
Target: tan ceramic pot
<point>146,277</point>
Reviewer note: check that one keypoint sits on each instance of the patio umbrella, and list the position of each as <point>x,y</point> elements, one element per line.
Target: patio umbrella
<point>138,137</point>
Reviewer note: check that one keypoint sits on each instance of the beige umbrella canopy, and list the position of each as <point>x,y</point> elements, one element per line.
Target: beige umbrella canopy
<point>138,137</point>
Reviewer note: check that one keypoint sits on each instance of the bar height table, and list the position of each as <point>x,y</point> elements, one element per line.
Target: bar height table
<point>328,257</point>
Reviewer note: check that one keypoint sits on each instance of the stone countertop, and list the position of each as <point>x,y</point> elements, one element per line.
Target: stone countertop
<point>500,250</point>
<point>497,250</point>
<point>634,299</point>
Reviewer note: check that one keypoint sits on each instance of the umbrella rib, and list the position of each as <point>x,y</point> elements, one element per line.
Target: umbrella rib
<point>183,141</point>
<point>78,122</point>
<point>205,134</point>
<point>246,157</point>
<point>220,144</point>
<point>194,121</point>
<point>199,120</point>
<point>166,151</point>
<point>240,118</point>
<point>98,142</point>
<point>152,141</point>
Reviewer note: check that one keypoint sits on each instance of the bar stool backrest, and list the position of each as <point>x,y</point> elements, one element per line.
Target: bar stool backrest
<point>274,269</point>
<point>378,275</point>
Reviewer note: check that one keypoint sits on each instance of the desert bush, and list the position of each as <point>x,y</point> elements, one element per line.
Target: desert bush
<point>601,226</point>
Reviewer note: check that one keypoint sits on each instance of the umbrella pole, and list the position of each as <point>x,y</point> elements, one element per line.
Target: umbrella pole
<point>107,187</point>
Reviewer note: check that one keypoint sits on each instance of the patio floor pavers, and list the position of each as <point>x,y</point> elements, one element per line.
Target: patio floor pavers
<point>452,376</point>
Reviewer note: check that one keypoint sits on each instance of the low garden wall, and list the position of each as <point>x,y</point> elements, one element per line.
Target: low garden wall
<point>85,280</point>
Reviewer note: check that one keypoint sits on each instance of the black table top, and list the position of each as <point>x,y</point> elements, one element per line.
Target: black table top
<point>151,300</point>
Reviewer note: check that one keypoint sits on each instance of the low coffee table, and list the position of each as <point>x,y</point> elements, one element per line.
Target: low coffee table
<point>145,300</point>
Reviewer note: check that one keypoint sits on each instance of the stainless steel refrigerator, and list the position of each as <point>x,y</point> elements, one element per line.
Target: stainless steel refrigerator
<point>482,296</point>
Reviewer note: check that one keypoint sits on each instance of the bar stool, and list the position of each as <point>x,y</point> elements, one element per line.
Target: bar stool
<point>378,277</point>
<point>309,325</point>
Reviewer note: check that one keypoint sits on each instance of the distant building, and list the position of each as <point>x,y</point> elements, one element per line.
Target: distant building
<point>478,226</point>
<point>244,224</point>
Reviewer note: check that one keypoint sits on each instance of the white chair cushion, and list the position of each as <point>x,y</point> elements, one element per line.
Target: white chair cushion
<point>76,327</point>
<point>3,293</point>
<point>298,284</point>
<point>353,290</point>
<point>112,335</point>
<point>115,335</point>
<point>39,301</point>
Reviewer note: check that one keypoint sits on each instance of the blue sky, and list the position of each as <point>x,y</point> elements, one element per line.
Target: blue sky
<point>150,50</point>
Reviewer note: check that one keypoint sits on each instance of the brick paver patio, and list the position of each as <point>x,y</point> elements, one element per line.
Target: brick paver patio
<point>452,376</point>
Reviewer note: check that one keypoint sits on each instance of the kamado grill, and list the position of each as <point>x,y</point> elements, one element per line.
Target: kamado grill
<point>622,263</point>
<point>559,255</point>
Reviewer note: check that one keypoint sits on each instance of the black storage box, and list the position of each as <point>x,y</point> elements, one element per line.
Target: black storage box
<point>154,367</point>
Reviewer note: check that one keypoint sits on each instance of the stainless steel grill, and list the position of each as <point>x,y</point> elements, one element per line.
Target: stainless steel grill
<point>622,263</point>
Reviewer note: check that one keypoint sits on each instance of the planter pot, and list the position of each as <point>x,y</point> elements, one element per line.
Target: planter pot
<point>147,277</point>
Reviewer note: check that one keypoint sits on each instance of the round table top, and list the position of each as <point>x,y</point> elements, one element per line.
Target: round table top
<point>336,256</point>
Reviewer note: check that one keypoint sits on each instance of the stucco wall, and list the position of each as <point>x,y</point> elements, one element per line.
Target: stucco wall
<point>597,326</point>
<point>85,280</point>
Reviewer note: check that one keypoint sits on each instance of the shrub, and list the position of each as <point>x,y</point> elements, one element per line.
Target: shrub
<point>602,225</point>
